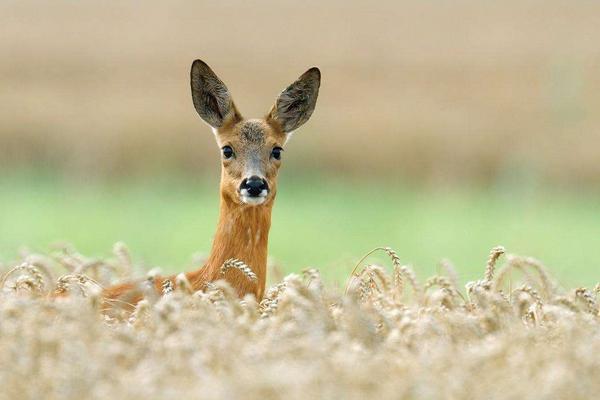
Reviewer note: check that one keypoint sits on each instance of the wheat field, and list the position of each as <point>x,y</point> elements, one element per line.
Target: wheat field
<point>513,334</point>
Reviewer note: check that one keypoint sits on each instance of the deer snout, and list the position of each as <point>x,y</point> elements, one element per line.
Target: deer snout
<point>254,186</point>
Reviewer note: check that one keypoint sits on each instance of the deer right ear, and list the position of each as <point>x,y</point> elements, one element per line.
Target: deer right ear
<point>296,103</point>
<point>211,97</point>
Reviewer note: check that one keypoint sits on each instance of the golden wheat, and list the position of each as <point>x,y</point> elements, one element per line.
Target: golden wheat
<point>233,263</point>
<point>305,339</point>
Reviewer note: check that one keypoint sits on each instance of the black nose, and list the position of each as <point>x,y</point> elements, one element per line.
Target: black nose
<point>254,185</point>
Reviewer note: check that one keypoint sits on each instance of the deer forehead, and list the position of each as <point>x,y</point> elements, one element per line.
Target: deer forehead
<point>251,134</point>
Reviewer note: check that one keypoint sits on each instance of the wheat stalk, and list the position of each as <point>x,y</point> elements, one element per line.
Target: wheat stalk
<point>234,263</point>
<point>588,298</point>
<point>400,272</point>
<point>495,254</point>
<point>167,287</point>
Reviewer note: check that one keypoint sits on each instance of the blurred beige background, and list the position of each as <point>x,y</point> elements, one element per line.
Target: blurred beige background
<point>430,91</point>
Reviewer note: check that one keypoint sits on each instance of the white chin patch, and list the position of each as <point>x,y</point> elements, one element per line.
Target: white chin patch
<point>253,200</point>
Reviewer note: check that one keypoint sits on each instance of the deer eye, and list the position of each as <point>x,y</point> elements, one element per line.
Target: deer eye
<point>227,152</point>
<point>276,153</point>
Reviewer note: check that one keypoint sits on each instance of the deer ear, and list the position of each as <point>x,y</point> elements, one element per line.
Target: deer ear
<point>296,103</point>
<point>211,97</point>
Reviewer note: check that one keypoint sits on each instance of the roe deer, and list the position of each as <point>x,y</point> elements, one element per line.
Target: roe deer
<point>251,156</point>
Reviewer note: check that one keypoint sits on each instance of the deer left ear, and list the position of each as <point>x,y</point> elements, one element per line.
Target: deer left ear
<point>296,103</point>
<point>211,97</point>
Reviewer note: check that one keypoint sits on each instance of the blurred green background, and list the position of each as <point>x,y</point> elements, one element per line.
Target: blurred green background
<point>442,129</point>
<point>165,220</point>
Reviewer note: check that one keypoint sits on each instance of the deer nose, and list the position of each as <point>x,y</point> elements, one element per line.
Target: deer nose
<point>254,186</point>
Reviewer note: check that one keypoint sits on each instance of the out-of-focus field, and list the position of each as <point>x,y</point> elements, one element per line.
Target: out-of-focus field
<point>430,91</point>
<point>324,224</point>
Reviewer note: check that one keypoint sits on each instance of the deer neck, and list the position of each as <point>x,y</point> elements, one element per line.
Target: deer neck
<point>242,233</point>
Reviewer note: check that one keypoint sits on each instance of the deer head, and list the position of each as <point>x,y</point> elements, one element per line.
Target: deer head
<point>251,148</point>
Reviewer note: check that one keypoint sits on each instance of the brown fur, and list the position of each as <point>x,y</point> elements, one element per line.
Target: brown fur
<point>243,229</point>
